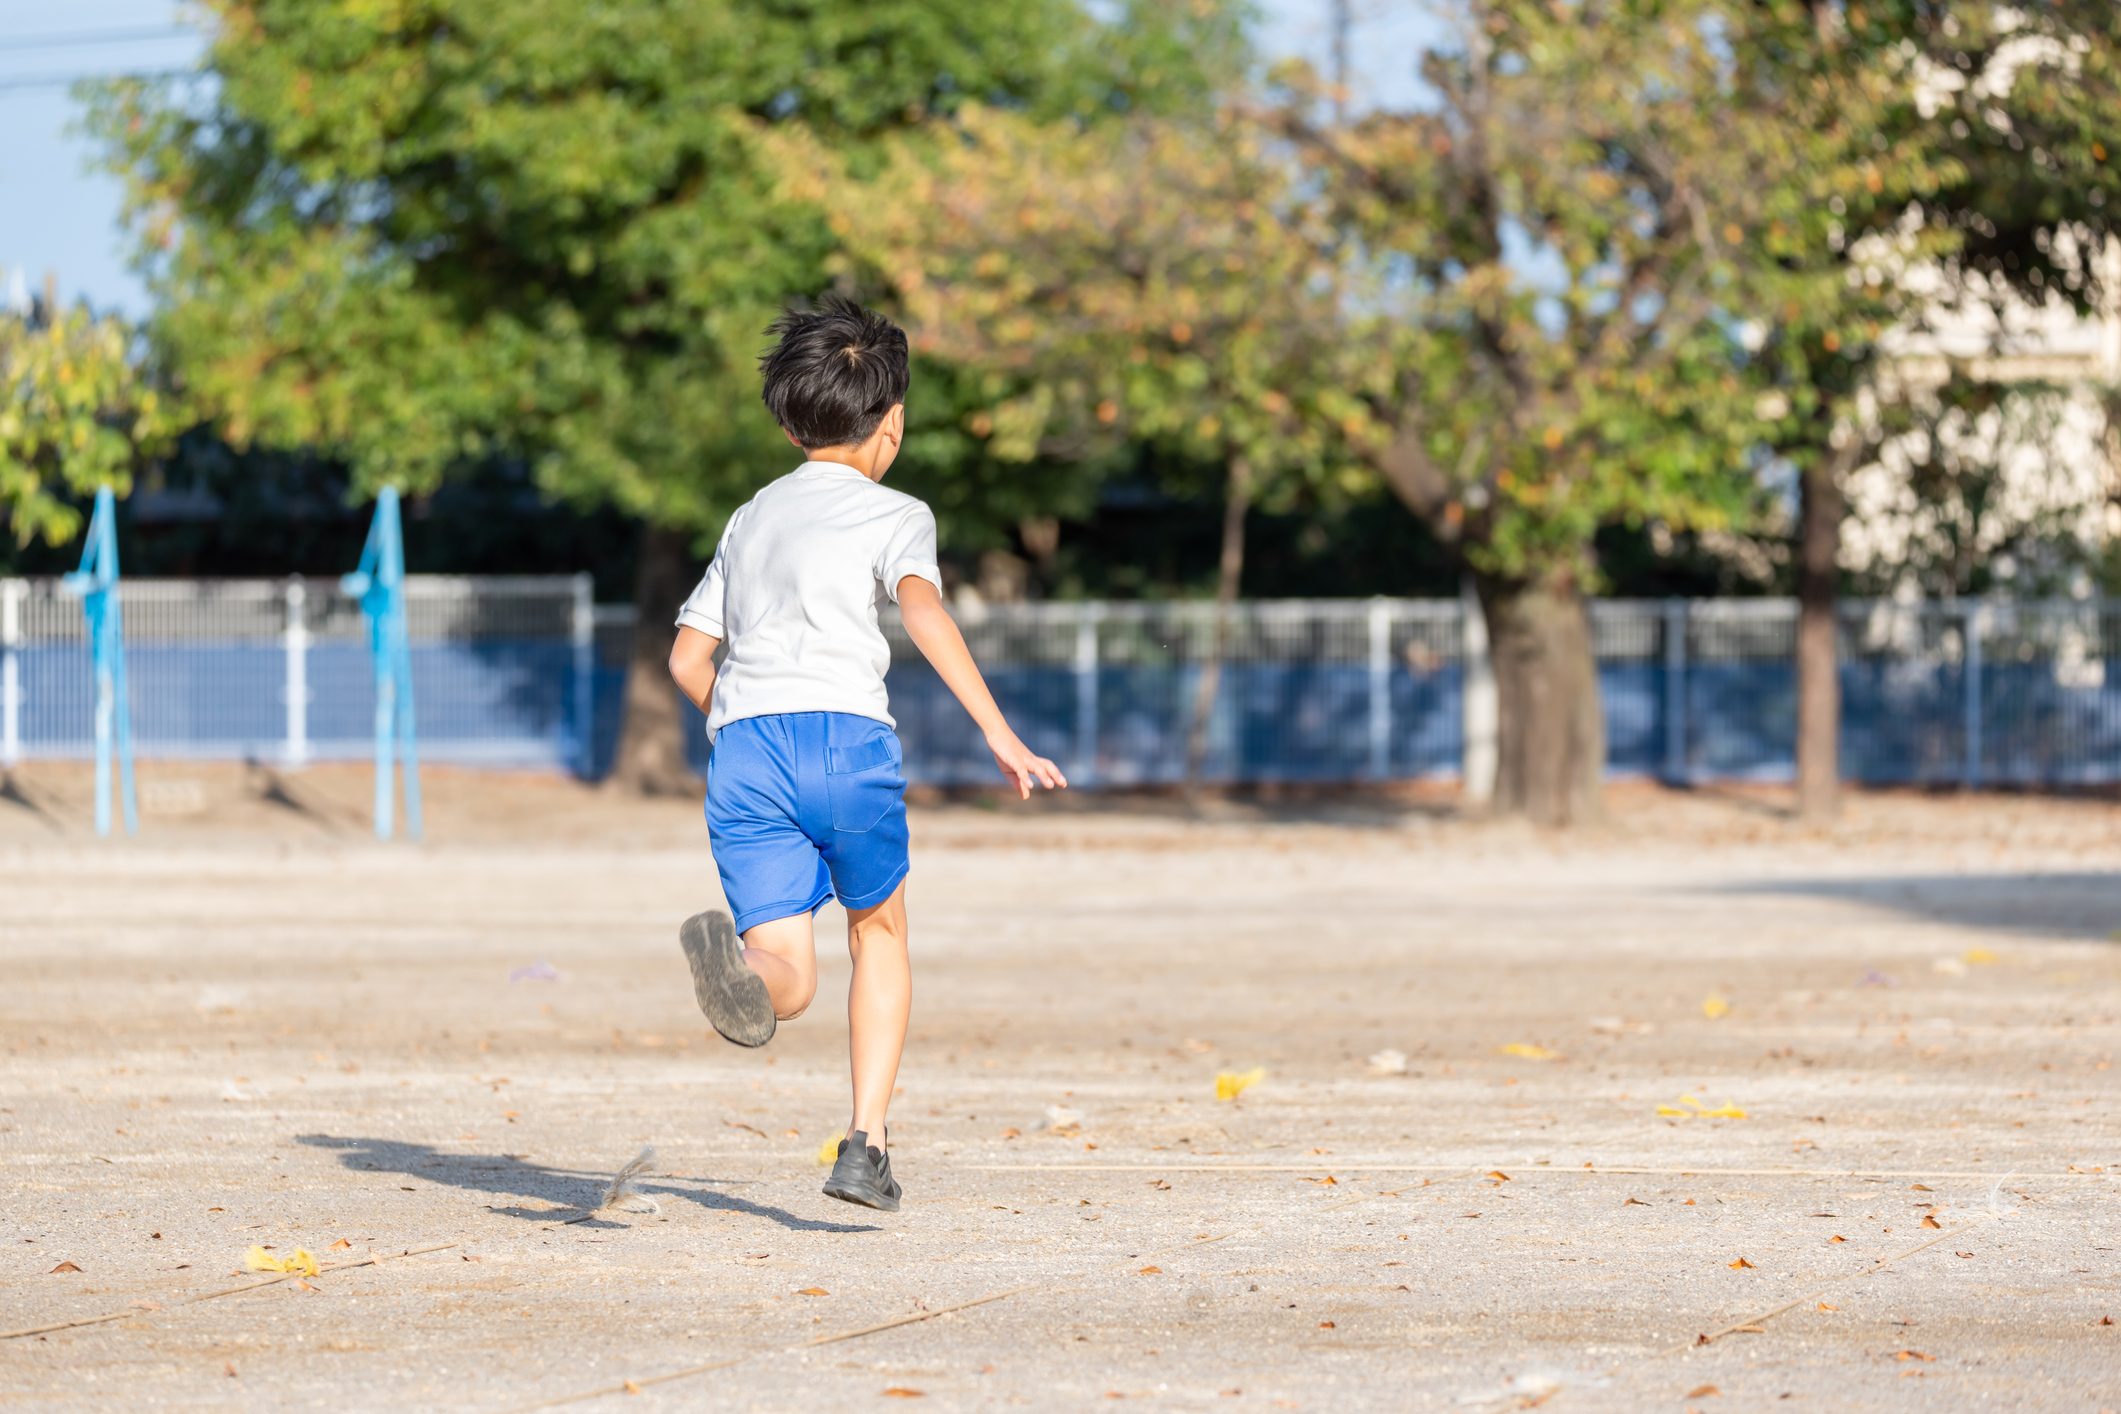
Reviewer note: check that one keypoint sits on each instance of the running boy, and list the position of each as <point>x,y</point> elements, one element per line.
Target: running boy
<point>804,797</point>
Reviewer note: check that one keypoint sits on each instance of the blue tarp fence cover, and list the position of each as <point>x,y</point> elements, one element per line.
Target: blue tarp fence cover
<point>528,673</point>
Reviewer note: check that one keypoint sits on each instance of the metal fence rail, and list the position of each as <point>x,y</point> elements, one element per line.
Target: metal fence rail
<point>528,672</point>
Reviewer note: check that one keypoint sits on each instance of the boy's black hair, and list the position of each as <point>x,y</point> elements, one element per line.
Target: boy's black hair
<point>835,372</point>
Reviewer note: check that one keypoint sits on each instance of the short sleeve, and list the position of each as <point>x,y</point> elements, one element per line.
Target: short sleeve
<point>702,609</point>
<point>909,549</point>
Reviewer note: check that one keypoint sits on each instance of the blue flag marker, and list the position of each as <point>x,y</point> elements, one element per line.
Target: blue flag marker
<point>380,586</point>
<point>97,582</point>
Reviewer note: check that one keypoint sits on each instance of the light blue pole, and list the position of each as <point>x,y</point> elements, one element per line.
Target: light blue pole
<point>97,582</point>
<point>380,586</point>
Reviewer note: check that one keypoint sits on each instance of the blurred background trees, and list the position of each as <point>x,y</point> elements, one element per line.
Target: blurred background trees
<point>1635,297</point>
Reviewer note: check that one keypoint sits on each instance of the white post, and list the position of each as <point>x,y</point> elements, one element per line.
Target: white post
<point>1675,629</point>
<point>584,634</point>
<point>1086,693</point>
<point>1481,708</point>
<point>12,593</point>
<point>294,643</point>
<point>1970,662</point>
<point>1380,688</point>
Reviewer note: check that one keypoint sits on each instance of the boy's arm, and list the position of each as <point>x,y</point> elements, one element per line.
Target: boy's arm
<point>692,665</point>
<point>935,633</point>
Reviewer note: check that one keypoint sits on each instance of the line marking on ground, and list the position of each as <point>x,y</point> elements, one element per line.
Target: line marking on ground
<point>1523,1168</point>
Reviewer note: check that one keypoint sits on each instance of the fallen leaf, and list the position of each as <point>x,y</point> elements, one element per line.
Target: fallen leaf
<point>342,1242</point>
<point>1158,1183</point>
<point>1714,1006</point>
<point>228,1369</point>
<point>739,1124</point>
<point>1012,1134</point>
<point>1497,1174</point>
<point>1325,1325</point>
<point>813,1291</point>
<point>1688,1107</point>
<point>260,1260</point>
<point>1529,1052</point>
<point>63,1267</point>
<point>1912,1355</point>
<point>306,1286</point>
<point>829,1151</point>
<point>143,1304</point>
<point>1922,1188</point>
<point>1229,1084</point>
<point>1928,1221</point>
<point>1962,1254</point>
<point>1837,1238</point>
<point>630,1386</point>
<point>1977,957</point>
<point>2104,1321</point>
<point>1634,1203</point>
<point>1741,1262</point>
<point>899,1392</point>
<point>1150,1272</point>
<point>1703,1392</point>
<point>1824,1307</point>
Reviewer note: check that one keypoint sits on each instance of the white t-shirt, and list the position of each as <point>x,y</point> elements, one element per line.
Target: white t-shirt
<point>794,590</point>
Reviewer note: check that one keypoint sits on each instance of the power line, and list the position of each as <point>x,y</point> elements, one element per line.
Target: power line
<point>28,81</point>
<point>83,38</point>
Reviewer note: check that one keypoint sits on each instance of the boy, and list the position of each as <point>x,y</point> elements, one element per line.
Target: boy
<point>804,797</point>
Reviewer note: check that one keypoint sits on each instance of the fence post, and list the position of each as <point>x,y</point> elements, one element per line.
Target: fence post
<point>1675,630</point>
<point>1976,622</point>
<point>1086,692</point>
<point>1480,708</point>
<point>294,643</point>
<point>12,592</point>
<point>1380,688</point>
<point>583,628</point>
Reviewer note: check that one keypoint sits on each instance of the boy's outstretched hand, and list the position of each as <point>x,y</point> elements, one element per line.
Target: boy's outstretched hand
<point>935,633</point>
<point>1020,766</point>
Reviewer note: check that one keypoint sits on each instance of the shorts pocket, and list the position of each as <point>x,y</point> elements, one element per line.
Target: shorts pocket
<point>863,782</point>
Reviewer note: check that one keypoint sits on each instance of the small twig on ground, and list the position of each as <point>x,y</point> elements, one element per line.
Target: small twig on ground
<point>369,1261</point>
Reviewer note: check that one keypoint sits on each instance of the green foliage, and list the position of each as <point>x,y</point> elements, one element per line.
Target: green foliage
<point>75,413</point>
<point>404,232</point>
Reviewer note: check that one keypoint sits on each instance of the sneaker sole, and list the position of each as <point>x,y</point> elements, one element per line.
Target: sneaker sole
<point>863,1196</point>
<point>732,996</point>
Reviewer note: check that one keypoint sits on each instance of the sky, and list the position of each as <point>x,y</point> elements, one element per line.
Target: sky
<point>57,216</point>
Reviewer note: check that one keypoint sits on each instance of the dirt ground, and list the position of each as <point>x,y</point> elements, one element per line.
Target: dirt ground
<point>1839,1101</point>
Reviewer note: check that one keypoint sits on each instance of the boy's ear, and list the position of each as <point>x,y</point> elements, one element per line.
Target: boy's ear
<point>895,422</point>
<point>792,440</point>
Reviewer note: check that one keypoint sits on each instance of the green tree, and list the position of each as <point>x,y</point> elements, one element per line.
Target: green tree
<point>1590,227</point>
<point>77,411</point>
<point>406,233</point>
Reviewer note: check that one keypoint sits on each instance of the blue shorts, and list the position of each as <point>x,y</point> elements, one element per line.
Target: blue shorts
<point>803,807</point>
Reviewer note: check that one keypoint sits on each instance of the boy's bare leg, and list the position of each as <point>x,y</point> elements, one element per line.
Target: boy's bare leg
<point>879,1000</point>
<point>784,954</point>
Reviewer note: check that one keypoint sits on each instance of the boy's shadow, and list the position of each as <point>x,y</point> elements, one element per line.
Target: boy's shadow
<point>507,1175</point>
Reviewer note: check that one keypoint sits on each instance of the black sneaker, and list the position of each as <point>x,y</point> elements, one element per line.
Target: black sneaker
<point>862,1174</point>
<point>731,994</point>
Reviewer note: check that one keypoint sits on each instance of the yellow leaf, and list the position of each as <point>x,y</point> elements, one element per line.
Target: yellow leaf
<point>260,1260</point>
<point>1229,1084</point>
<point>1519,1048</point>
<point>1714,1006</point>
<point>1741,1262</point>
<point>829,1151</point>
<point>813,1291</point>
<point>1978,957</point>
<point>1151,1272</point>
<point>1689,1107</point>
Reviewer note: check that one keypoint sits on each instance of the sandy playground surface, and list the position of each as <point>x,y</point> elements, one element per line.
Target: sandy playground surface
<point>1839,1102</point>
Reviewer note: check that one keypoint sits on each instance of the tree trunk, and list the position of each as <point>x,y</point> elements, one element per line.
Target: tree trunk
<point>651,755</point>
<point>1229,572</point>
<point>1551,728</point>
<point>1818,658</point>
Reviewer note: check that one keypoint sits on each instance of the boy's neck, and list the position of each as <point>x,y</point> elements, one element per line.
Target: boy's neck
<point>863,459</point>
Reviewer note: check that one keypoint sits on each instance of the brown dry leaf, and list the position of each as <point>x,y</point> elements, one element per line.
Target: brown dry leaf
<point>1825,1307</point>
<point>2104,1321</point>
<point>63,1267</point>
<point>1012,1134</point>
<point>1498,1175</point>
<point>306,1286</point>
<point>1329,1178</point>
<point>1912,1355</point>
<point>1928,1221</point>
<point>1635,1203</point>
<point>739,1124</point>
<point>1703,1392</point>
<point>1962,1254</point>
<point>228,1369</point>
<point>336,1246</point>
<point>1837,1238</point>
<point>1158,1183</point>
<point>899,1392</point>
<point>630,1386</point>
<point>1741,1262</point>
<point>813,1291</point>
<point>1922,1188</point>
<point>1325,1325</point>
<point>1150,1272</point>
